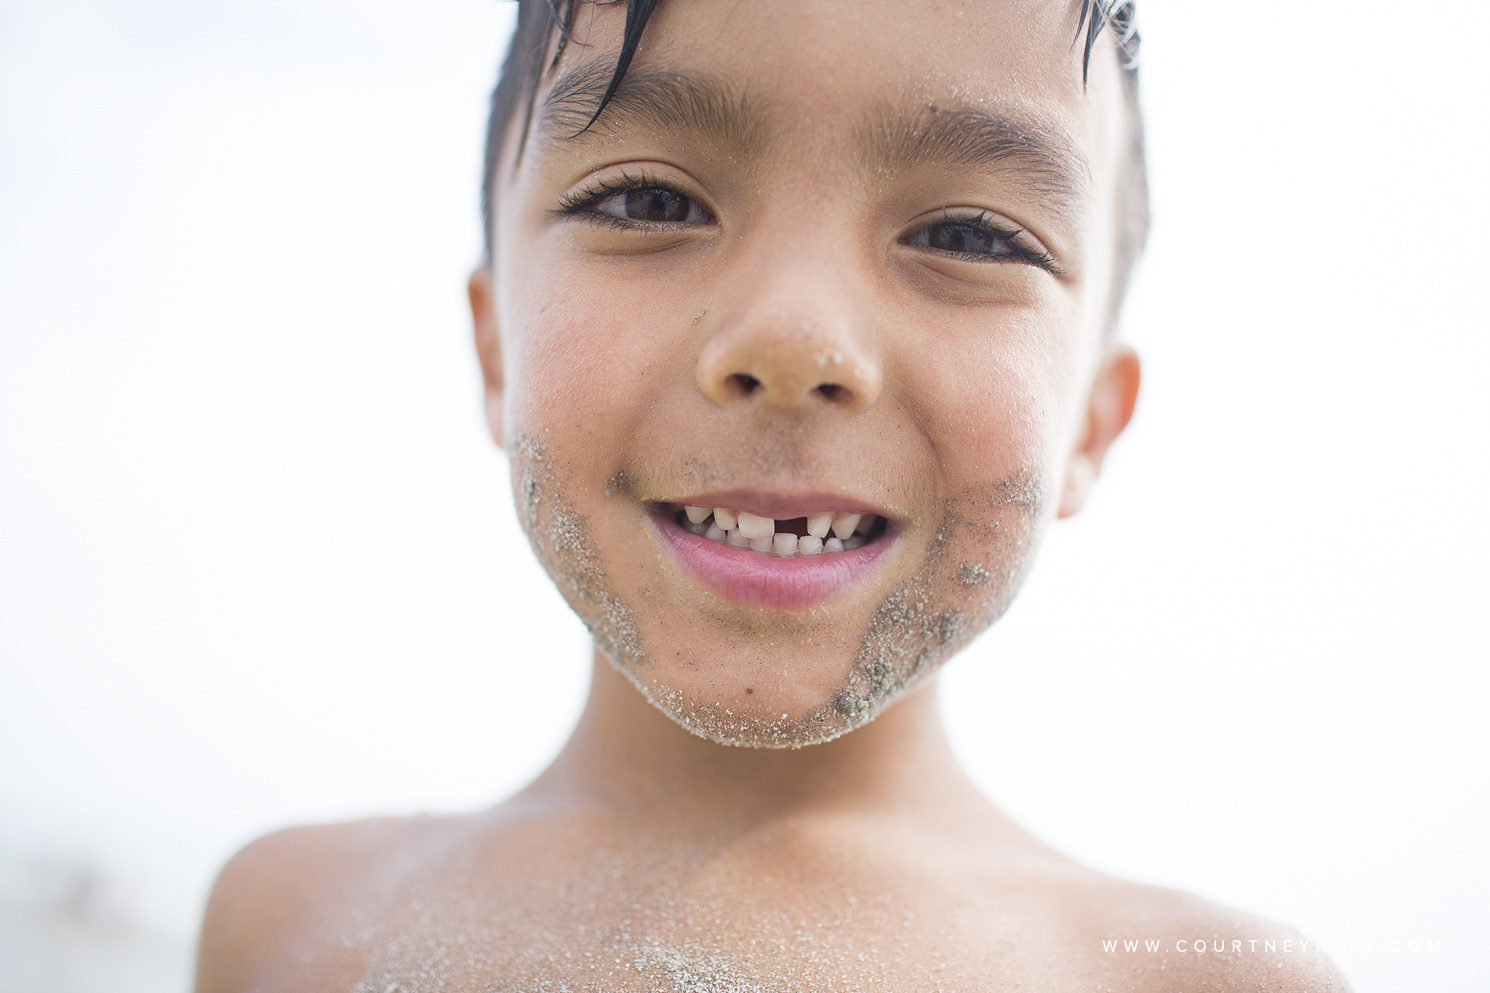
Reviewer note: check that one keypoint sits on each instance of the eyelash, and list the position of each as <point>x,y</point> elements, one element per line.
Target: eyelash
<point>983,223</point>
<point>582,203</point>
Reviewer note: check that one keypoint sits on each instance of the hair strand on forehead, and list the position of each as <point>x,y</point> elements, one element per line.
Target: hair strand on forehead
<point>638,12</point>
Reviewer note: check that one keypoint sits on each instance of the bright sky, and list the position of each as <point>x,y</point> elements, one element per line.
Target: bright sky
<point>258,564</point>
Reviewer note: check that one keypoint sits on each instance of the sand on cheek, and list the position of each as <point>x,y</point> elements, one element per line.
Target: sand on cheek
<point>977,561</point>
<point>562,540</point>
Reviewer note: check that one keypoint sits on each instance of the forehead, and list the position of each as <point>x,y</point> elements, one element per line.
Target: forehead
<point>780,75</point>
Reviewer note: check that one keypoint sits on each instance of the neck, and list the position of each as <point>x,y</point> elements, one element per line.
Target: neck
<point>627,753</point>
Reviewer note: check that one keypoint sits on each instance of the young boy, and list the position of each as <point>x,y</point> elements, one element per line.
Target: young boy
<point>797,328</point>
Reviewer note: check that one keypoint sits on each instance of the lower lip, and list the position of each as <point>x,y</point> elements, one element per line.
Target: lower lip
<point>760,580</point>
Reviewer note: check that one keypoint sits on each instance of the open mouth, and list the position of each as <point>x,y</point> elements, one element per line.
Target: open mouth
<point>787,563</point>
<point>824,533</point>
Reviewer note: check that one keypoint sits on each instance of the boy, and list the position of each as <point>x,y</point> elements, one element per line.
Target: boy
<point>796,326</point>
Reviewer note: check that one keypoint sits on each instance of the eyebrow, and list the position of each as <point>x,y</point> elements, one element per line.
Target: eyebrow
<point>1037,154</point>
<point>660,99</point>
<point>1041,154</point>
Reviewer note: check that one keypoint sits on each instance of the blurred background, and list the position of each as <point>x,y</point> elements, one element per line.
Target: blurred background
<point>258,564</point>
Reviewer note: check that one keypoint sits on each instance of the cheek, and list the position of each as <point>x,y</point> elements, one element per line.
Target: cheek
<point>1000,409</point>
<point>581,362</point>
<point>563,539</point>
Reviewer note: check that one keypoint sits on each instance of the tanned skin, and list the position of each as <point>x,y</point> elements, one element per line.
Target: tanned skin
<point>797,329</point>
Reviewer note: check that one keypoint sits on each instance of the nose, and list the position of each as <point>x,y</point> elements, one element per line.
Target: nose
<point>791,341</point>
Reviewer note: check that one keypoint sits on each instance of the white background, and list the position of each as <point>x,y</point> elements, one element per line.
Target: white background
<point>257,563</point>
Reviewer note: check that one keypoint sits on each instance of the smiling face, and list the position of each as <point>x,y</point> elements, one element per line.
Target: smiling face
<point>797,350</point>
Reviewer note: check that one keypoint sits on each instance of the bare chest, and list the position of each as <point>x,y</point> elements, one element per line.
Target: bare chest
<point>785,911</point>
<point>675,932</point>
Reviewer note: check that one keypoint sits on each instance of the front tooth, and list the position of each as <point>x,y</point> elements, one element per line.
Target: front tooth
<point>832,545</point>
<point>761,544</point>
<point>757,527</point>
<point>809,544</point>
<point>697,515</point>
<point>715,533</point>
<point>735,538</point>
<point>866,525</point>
<point>724,518</point>
<point>819,524</point>
<point>784,545</point>
<point>844,524</point>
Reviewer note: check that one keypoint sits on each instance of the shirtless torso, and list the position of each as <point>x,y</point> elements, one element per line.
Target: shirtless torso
<point>719,880</point>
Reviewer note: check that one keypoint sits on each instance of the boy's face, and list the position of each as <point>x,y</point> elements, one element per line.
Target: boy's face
<point>815,257</point>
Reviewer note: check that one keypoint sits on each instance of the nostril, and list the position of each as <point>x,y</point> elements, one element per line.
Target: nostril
<point>832,392</point>
<point>744,383</point>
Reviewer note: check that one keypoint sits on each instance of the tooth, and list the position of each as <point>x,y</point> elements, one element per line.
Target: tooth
<point>697,527</point>
<point>844,524</point>
<point>736,539</point>
<point>724,518</point>
<point>849,544</point>
<point>715,533</point>
<point>784,545</point>
<point>833,545</point>
<point>697,515</point>
<point>866,525</point>
<point>756,527</point>
<point>818,524</point>
<point>761,544</point>
<point>810,545</point>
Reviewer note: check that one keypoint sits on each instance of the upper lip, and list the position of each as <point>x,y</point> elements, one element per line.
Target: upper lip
<point>780,506</point>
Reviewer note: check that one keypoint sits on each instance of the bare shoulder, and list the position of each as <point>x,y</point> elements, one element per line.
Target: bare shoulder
<point>1162,939</point>
<point>323,907</point>
<point>273,901</point>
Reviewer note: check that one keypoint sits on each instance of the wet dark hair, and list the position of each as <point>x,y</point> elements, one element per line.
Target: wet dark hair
<point>539,20</point>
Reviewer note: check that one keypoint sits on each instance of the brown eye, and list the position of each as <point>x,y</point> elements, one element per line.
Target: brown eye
<point>979,238</point>
<point>647,204</point>
<point>656,205</point>
<point>965,239</point>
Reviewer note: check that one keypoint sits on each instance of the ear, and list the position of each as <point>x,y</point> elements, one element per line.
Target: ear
<point>1109,408</point>
<point>488,345</point>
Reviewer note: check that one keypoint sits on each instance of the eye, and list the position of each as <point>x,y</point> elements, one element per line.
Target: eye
<point>641,202</point>
<point>965,239</point>
<point>979,238</point>
<point>652,203</point>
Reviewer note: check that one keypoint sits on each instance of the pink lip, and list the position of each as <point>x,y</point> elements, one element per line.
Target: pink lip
<point>763,581</point>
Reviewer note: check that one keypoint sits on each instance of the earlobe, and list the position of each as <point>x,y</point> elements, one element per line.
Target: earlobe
<point>1109,408</point>
<point>488,344</point>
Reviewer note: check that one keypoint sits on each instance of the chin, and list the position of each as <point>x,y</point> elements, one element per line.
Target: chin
<point>749,648</point>
<point>784,689</point>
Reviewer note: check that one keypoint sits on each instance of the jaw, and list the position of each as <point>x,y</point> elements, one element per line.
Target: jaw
<point>756,675</point>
